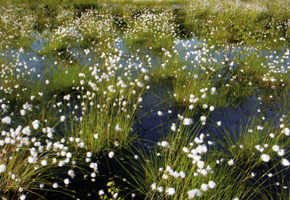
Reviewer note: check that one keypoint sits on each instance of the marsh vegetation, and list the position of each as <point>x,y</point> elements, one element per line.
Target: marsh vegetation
<point>134,100</point>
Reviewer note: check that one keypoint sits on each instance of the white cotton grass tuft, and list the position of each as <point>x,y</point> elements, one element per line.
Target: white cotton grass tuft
<point>101,192</point>
<point>111,154</point>
<point>55,185</point>
<point>276,148</point>
<point>192,193</point>
<point>285,162</point>
<point>160,189</point>
<point>281,152</point>
<point>165,176</point>
<point>211,184</point>
<point>36,124</point>
<point>89,154</point>
<point>94,166</point>
<point>115,196</point>
<point>170,191</point>
<point>6,120</point>
<point>153,186</point>
<point>26,130</point>
<point>286,131</point>
<point>187,121</point>
<point>265,157</point>
<point>116,143</point>
<point>185,150</point>
<point>182,174</point>
<point>44,162</point>
<point>2,168</point>
<point>204,187</point>
<point>165,144</point>
<point>200,164</point>
<point>23,112</point>
<point>71,173</point>
<point>62,118</point>
<point>22,197</point>
<point>203,118</point>
<point>231,162</point>
<point>160,113</point>
<point>66,181</point>
<point>118,128</point>
<point>173,127</point>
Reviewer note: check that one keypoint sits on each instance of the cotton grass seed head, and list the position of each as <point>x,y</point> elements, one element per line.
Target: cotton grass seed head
<point>211,184</point>
<point>192,193</point>
<point>203,118</point>
<point>265,157</point>
<point>62,118</point>
<point>2,168</point>
<point>173,127</point>
<point>187,121</point>
<point>111,154</point>
<point>35,124</point>
<point>160,113</point>
<point>6,120</point>
<point>170,191</point>
<point>285,162</point>
<point>153,186</point>
<point>66,181</point>
<point>231,162</point>
<point>101,192</point>
<point>204,187</point>
<point>44,162</point>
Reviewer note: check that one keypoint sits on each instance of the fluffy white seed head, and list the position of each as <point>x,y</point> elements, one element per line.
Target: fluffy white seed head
<point>265,157</point>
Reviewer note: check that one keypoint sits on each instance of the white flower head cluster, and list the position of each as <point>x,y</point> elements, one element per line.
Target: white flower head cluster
<point>6,120</point>
<point>192,99</point>
<point>203,120</point>
<point>49,132</point>
<point>173,127</point>
<point>202,169</point>
<point>170,191</point>
<point>111,154</point>
<point>286,131</point>
<point>36,124</point>
<point>204,187</point>
<point>265,157</point>
<point>2,168</point>
<point>170,172</point>
<point>187,121</point>
<point>164,144</point>
<point>231,162</point>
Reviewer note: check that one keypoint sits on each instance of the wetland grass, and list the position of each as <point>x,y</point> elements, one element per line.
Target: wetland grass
<point>81,83</point>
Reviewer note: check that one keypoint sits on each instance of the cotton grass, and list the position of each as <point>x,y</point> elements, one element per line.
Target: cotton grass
<point>78,105</point>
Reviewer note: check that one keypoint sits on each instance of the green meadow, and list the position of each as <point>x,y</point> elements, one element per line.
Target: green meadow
<point>145,99</point>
